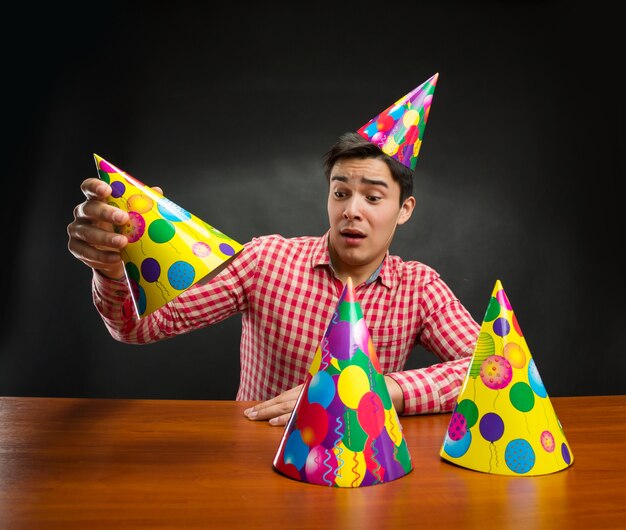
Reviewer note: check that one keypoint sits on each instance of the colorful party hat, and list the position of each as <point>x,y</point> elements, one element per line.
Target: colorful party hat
<point>344,430</point>
<point>399,129</point>
<point>169,249</point>
<point>503,421</point>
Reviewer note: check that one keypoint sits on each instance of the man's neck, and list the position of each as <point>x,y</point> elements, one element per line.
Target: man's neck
<point>357,278</point>
<point>359,273</point>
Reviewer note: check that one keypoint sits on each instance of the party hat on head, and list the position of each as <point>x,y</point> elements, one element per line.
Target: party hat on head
<point>503,421</point>
<point>399,129</point>
<point>169,249</point>
<point>344,430</point>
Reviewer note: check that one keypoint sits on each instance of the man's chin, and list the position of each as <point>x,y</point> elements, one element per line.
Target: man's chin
<point>353,257</point>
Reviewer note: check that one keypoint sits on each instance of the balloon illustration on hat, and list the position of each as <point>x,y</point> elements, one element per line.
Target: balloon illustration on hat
<point>169,249</point>
<point>344,430</point>
<point>399,129</point>
<point>503,422</point>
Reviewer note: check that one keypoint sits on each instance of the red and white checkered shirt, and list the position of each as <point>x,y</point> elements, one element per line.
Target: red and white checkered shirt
<point>287,292</point>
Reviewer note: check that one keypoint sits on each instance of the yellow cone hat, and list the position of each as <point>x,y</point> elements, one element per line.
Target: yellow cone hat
<point>503,422</point>
<point>344,430</point>
<point>169,249</point>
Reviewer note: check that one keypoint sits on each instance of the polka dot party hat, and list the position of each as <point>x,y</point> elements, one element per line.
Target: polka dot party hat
<point>169,249</point>
<point>344,430</point>
<point>503,421</point>
<point>399,129</point>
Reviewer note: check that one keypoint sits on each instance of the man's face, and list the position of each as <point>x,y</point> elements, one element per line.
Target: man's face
<point>363,210</point>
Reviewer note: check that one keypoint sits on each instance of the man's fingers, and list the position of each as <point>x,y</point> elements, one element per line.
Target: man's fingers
<point>286,397</point>
<point>273,411</point>
<point>98,211</point>
<point>94,188</point>
<point>278,408</point>
<point>96,236</point>
<point>280,420</point>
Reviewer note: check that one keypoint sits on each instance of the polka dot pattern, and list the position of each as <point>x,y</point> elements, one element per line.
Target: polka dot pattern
<point>169,249</point>
<point>504,422</point>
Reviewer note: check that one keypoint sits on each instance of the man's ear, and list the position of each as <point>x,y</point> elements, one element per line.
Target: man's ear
<point>406,210</point>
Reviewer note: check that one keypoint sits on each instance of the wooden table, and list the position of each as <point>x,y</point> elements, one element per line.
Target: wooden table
<point>117,464</point>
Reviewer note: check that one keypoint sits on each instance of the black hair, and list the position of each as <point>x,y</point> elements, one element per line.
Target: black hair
<point>353,145</point>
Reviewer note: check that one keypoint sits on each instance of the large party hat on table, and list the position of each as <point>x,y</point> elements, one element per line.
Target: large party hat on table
<point>344,430</point>
<point>503,421</point>
<point>399,129</point>
<point>169,249</point>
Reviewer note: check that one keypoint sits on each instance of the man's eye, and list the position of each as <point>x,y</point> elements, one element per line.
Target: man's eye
<point>340,194</point>
<point>373,198</point>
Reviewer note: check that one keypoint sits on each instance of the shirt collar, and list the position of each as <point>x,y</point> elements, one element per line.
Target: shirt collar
<point>321,258</point>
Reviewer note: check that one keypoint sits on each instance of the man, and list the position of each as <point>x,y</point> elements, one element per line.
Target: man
<point>287,289</point>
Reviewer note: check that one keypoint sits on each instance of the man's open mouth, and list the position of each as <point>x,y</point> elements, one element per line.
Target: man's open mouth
<point>352,234</point>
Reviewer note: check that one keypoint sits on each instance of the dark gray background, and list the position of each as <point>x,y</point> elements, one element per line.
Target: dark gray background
<point>230,109</point>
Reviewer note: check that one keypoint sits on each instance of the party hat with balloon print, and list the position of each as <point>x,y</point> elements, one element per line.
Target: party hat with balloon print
<point>169,249</point>
<point>399,129</point>
<point>503,422</point>
<point>344,430</point>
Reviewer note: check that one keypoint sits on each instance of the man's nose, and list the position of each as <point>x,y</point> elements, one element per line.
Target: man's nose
<point>353,208</point>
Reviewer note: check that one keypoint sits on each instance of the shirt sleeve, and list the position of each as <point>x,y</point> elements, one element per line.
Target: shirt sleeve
<point>449,331</point>
<point>201,305</point>
<point>432,389</point>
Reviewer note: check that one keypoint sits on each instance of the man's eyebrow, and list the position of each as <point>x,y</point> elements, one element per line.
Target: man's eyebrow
<point>373,182</point>
<point>364,180</point>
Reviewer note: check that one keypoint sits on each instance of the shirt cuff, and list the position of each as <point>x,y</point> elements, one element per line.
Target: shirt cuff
<point>109,294</point>
<point>434,388</point>
<point>420,395</point>
<point>100,279</point>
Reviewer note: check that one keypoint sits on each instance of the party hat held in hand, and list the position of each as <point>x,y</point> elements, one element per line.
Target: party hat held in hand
<point>169,249</point>
<point>399,129</point>
<point>344,430</point>
<point>503,422</point>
